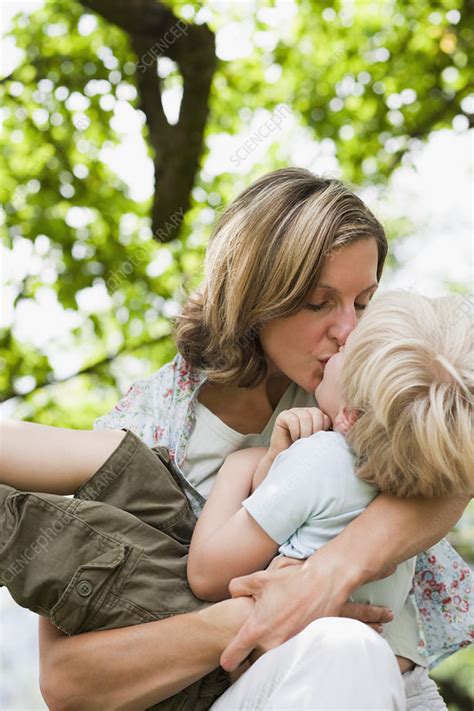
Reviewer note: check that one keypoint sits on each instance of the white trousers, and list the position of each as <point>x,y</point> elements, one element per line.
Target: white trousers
<point>334,663</point>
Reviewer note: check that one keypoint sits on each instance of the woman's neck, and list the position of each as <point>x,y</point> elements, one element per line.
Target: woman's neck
<point>247,410</point>
<point>275,385</point>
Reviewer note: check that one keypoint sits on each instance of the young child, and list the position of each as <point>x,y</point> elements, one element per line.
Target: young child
<point>116,553</point>
<point>399,396</point>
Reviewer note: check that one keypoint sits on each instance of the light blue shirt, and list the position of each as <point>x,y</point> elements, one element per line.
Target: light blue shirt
<point>310,494</point>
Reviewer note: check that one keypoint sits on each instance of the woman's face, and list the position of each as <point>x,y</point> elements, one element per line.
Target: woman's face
<point>299,346</point>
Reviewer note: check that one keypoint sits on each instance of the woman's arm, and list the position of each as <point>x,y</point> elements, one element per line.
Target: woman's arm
<point>132,668</point>
<point>52,459</point>
<point>389,531</point>
<point>226,540</point>
<point>402,527</point>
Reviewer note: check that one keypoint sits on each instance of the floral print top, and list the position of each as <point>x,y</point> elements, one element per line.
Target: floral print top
<point>160,410</point>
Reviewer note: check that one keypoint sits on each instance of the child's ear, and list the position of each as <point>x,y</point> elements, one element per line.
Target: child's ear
<point>344,420</point>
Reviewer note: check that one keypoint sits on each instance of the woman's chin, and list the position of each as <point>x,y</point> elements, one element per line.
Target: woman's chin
<point>311,385</point>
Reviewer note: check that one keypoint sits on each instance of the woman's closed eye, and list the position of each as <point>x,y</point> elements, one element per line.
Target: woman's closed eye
<point>318,307</point>
<point>326,304</point>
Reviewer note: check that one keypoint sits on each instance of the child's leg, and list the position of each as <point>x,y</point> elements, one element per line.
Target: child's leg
<point>106,465</point>
<point>63,558</point>
<point>89,565</point>
<point>47,541</point>
<point>139,480</point>
<point>51,459</point>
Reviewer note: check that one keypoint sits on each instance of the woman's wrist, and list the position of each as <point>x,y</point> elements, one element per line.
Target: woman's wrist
<point>224,619</point>
<point>337,565</point>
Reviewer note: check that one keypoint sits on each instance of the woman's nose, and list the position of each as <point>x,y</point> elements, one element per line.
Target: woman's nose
<point>344,322</point>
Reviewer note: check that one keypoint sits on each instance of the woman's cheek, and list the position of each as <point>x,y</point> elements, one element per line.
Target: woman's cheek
<point>315,336</point>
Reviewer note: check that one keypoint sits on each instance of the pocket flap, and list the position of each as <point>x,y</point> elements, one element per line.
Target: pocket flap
<point>86,589</point>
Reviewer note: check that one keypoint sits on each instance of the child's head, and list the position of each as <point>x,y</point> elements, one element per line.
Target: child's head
<point>402,391</point>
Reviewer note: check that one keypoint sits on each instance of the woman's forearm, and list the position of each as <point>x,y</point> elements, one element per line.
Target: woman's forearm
<point>388,532</point>
<point>132,668</point>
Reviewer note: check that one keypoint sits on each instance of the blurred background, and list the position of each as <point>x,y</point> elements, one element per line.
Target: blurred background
<point>128,125</point>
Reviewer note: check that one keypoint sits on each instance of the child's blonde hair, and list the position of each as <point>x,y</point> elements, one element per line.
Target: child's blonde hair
<point>408,370</point>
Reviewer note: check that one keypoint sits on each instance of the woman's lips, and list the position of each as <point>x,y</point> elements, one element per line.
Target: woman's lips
<point>324,361</point>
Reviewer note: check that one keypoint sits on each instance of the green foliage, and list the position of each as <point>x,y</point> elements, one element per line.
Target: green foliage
<point>340,70</point>
<point>83,229</point>
<point>455,677</point>
<point>373,77</point>
<point>393,72</point>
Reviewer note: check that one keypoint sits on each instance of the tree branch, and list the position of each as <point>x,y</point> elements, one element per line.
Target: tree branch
<point>135,16</point>
<point>155,32</point>
<point>10,394</point>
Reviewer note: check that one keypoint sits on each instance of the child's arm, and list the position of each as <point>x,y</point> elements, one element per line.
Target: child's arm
<point>290,425</point>
<point>50,459</point>
<point>262,470</point>
<point>226,540</point>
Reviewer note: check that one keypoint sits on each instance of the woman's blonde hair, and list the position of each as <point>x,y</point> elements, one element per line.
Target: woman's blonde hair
<point>264,257</point>
<point>408,370</point>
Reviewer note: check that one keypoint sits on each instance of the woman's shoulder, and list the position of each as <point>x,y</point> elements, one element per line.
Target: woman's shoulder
<point>154,399</point>
<point>185,376</point>
<point>173,378</point>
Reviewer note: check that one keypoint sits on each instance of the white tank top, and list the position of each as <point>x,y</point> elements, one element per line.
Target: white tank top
<point>212,440</point>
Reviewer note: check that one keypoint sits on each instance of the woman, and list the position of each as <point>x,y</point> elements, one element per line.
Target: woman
<point>292,262</point>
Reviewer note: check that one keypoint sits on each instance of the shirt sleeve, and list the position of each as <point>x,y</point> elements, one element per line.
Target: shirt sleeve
<point>306,480</point>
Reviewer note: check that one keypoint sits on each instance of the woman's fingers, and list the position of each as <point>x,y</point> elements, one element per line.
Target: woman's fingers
<point>366,613</point>
<point>377,628</point>
<point>287,598</point>
<point>283,561</point>
<point>246,585</point>
<point>246,639</point>
<point>240,647</point>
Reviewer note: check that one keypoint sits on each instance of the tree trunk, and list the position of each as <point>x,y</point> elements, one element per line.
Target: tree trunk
<point>156,32</point>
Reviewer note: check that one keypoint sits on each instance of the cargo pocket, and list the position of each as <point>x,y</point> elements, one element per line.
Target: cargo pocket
<point>88,588</point>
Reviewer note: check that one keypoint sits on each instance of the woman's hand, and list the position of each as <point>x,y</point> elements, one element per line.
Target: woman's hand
<point>294,424</point>
<point>289,598</point>
<point>369,614</point>
<point>289,595</point>
<point>283,561</point>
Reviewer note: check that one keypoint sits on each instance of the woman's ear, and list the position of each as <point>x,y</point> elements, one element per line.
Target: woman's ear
<point>344,420</point>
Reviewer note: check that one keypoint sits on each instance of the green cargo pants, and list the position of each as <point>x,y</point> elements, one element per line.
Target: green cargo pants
<point>114,555</point>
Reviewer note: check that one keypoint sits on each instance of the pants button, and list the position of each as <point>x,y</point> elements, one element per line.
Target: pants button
<point>84,588</point>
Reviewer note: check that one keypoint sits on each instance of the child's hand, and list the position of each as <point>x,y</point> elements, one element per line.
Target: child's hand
<point>294,424</point>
